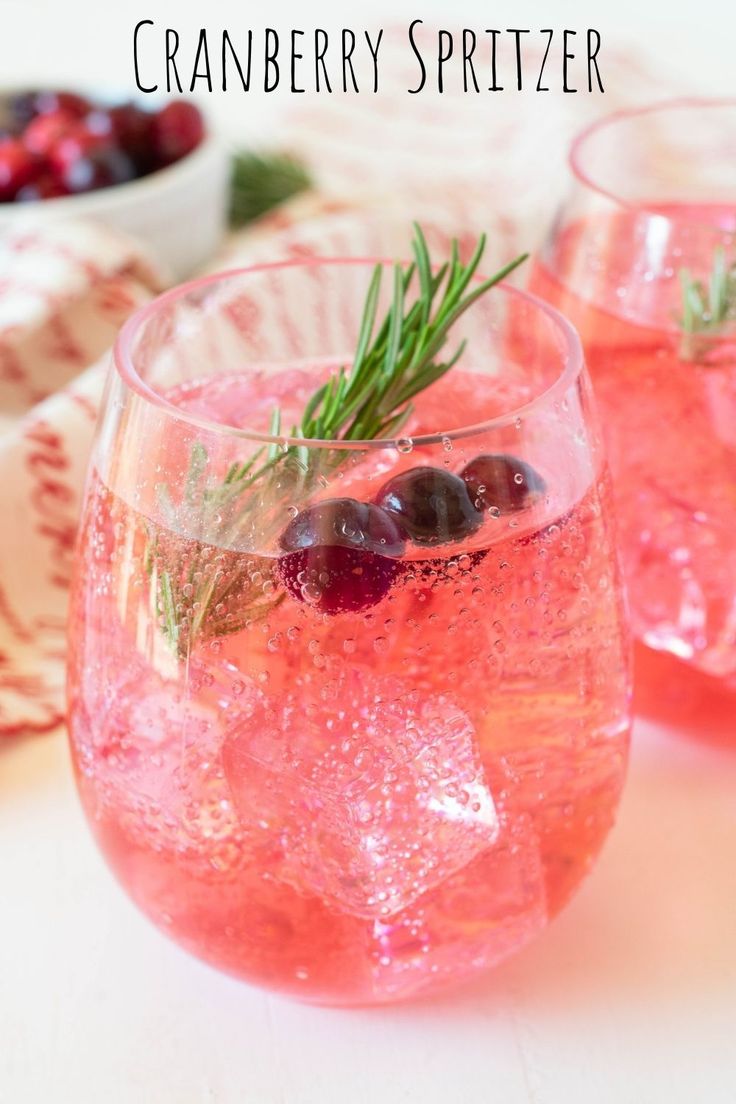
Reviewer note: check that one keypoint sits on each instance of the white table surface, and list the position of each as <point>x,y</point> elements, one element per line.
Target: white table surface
<point>629,998</point>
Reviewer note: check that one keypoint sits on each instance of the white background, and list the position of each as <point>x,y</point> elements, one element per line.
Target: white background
<point>630,998</point>
<point>92,41</point>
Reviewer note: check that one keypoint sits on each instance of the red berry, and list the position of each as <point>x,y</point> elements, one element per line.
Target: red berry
<point>431,505</point>
<point>46,187</point>
<point>340,555</point>
<point>497,481</point>
<point>7,127</point>
<point>177,129</point>
<point>18,167</point>
<point>48,101</point>
<point>101,167</point>
<point>78,142</point>
<point>99,121</point>
<point>46,131</point>
<point>132,128</point>
<point>18,111</point>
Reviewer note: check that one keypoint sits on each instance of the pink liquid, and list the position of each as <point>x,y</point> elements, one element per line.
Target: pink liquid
<point>669,417</point>
<point>364,806</point>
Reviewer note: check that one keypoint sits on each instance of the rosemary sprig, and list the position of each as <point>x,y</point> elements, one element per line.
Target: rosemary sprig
<point>261,181</point>
<point>393,362</point>
<point>395,359</point>
<point>706,308</point>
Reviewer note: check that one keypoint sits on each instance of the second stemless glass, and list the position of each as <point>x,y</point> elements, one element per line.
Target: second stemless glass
<point>641,260</point>
<point>323,754</point>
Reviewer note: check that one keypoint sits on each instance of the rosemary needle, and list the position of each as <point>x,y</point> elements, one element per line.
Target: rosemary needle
<point>706,307</point>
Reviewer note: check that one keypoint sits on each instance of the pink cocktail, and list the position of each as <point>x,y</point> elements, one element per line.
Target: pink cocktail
<point>651,222</point>
<point>329,745</point>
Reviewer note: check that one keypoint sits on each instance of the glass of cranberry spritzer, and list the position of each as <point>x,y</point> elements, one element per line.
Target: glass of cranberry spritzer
<point>641,259</point>
<point>349,721</point>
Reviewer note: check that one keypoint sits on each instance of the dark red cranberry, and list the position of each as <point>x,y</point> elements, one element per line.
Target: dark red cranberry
<point>431,505</point>
<point>99,168</point>
<point>19,110</point>
<point>339,555</point>
<point>6,127</point>
<point>176,130</point>
<point>77,143</point>
<point>18,167</point>
<point>502,482</point>
<point>48,101</point>
<point>132,129</point>
<point>99,121</point>
<point>46,187</point>
<point>46,131</point>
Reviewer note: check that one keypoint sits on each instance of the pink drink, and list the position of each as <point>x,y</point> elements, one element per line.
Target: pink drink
<point>362,806</point>
<point>668,405</point>
<point>349,719</point>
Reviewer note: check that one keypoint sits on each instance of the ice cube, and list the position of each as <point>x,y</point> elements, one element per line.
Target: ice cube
<point>376,792</point>
<point>155,759</point>
<point>475,919</point>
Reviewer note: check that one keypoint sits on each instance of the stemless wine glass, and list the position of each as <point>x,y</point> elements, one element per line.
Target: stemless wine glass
<point>348,720</point>
<point>640,259</point>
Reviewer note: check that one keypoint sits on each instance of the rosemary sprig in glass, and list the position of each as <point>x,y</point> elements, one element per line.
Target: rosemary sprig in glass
<point>706,307</point>
<point>395,359</point>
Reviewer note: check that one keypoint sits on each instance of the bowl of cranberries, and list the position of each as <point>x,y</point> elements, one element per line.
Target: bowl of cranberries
<point>146,170</point>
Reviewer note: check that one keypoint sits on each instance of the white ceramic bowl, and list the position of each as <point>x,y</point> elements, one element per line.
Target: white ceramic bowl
<point>179,213</point>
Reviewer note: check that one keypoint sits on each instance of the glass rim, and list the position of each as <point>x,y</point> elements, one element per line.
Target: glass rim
<point>576,151</point>
<point>123,363</point>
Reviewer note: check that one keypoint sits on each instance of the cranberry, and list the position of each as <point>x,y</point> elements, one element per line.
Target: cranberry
<point>45,131</point>
<point>18,167</point>
<point>431,505</point>
<point>176,130</point>
<point>99,121</point>
<point>78,142</point>
<point>46,187</point>
<point>503,482</point>
<point>99,168</point>
<point>19,110</point>
<point>340,555</point>
<point>47,102</point>
<point>7,130</point>
<point>132,129</point>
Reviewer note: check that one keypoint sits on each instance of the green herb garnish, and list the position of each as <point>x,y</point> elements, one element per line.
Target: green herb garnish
<point>395,359</point>
<point>706,307</point>
<point>262,181</point>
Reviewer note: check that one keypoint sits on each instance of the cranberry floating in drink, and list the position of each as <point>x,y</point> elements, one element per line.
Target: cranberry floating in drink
<point>340,554</point>
<point>338,729</point>
<point>502,483</point>
<point>431,505</point>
